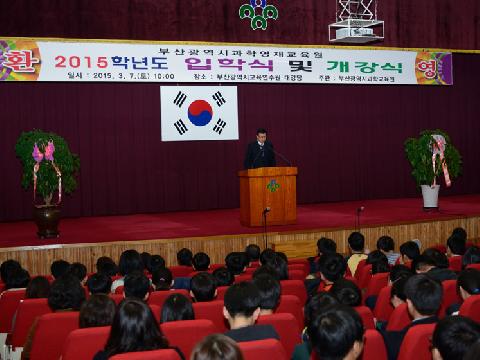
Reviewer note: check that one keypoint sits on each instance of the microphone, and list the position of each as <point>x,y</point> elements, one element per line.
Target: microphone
<point>262,151</point>
<point>279,154</point>
<point>360,209</point>
<point>266,210</point>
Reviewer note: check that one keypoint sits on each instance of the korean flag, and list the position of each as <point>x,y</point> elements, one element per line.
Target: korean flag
<point>199,113</point>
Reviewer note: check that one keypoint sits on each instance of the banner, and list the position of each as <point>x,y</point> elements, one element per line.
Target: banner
<point>63,60</point>
<point>199,113</point>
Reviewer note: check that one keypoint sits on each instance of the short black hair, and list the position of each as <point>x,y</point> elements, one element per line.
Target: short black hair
<point>410,249</point>
<point>201,261</point>
<point>398,288</point>
<point>424,293</point>
<point>78,270</point>
<point>130,261</point>
<point>459,231</point>
<point>236,262</point>
<point>317,304</point>
<point>223,277</point>
<point>356,240</point>
<point>136,285</point>
<point>7,267</point>
<point>437,258</point>
<point>97,310</point>
<point>269,289</point>
<point>242,299</point>
<point>146,257</point>
<point>253,252</point>
<point>280,266</point>
<point>66,293</point>
<point>261,131</point>
<point>471,256</point>
<point>18,278</point>
<point>385,243</point>
<point>469,280</point>
<point>266,256</point>
<point>347,292</point>
<point>162,279</point>
<point>454,336</point>
<point>326,246</point>
<point>59,268</point>
<point>332,266</point>
<point>379,262</point>
<point>175,308</point>
<point>37,288</point>
<point>398,271</point>
<point>457,244</point>
<point>99,283</point>
<point>107,266</point>
<point>184,257</point>
<point>334,332</point>
<point>266,270</point>
<point>203,287</point>
<point>156,262</point>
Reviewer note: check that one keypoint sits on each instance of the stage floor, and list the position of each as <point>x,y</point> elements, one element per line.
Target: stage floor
<point>226,222</point>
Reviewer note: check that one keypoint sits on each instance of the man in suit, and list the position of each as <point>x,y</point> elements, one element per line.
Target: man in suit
<point>260,153</point>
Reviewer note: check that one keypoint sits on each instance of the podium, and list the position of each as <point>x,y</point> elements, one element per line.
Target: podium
<point>274,187</point>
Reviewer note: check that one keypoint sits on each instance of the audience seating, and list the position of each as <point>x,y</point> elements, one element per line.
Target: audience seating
<point>373,346</point>
<point>294,287</point>
<point>455,263</point>
<point>9,301</point>
<point>305,270</point>
<point>263,349</point>
<point>296,275</point>
<point>286,327</point>
<point>291,304</point>
<point>243,277</point>
<point>221,290</point>
<point>473,266</point>
<point>360,266</point>
<point>471,308</point>
<point>366,315</point>
<point>377,282</point>
<point>364,276</point>
<point>416,344</point>
<point>51,332</point>
<point>187,333</point>
<point>250,270</point>
<point>116,297</point>
<point>450,296</point>
<point>119,290</point>
<point>156,310</point>
<point>180,271</point>
<point>159,297</point>
<point>399,319</point>
<point>164,354</point>
<point>211,310</point>
<point>83,344</point>
<point>214,267</point>
<point>383,308</point>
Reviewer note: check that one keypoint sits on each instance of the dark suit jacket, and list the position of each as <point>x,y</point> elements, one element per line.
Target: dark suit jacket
<point>394,339</point>
<point>257,156</point>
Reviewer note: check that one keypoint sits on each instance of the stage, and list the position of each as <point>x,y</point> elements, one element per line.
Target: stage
<point>219,231</point>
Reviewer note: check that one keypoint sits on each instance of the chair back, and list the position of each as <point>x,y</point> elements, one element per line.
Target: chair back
<point>287,328</point>
<point>28,310</point>
<point>383,308</point>
<point>364,276</point>
<point>416,344</point>
<point>83,344</point>
<point>373,346</point>
<point>211,310</point>
<point>158,297</point>
<point>367,316</point>
<point>294,287</point>
<point>263,349</point>
<point>399,319</point>
<point>450,296</point>
<point>163,354</point>
<point>180,271</point>
<point>9,301</point>
<point>377,282</point>
<point>291,304</point>
<point>471,308</point>
<point>455,263</point>
<point>221,290</point>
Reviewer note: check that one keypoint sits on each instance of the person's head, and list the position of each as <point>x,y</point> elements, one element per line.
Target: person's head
<point>7,267</point>
<point>66,293</point>
<point>98,310</point>
<point>130,261</point>
<point>397,291</point>
<point>422,264</point>
<point>379,262</point>
<point>79,271</point>
<point>136,285</point>
<point>242,301</point>
<point>203,287</point>
<point>456,245</point>
<point>38,287</point>
<point>201,261</point>
<point>223,277</point>
<point>332,267</point>
<point>269,290</point>
<point>146,257</point>
<point>385,244</point>
<point>317,304</point>
<point>236,262</point>
<point>453,337</point>
<point>184,257</point>
<point>399,271</point>
<point>216,347</point>
<point>471,256</point>
<point>337,333</point>
<point>134,328</point>
<point>106,266</point>
<point>460,232</point>
<point>326,246</point>
<point>347,292</point>
<point>162,279</point>
<point>424,296</point>
<point>156,262</point>
<point>175,308</point>
<point>468,283</point>
<point>356,242</point>
<point>280,266</point>
<point>261,135</point>
<point>436,257</point>
<point>266,270</point>
<point>253,252</point>
<point>59,268</point>
<point>409,251</point>
<point>267,256</point>
<point>18,278</point>
<point>99,283</point>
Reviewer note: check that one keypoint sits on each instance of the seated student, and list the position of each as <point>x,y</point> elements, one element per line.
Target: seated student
<point>216,347</point>
<point>386,245</point>
<point>17,279</point>
<point>236,262</point>
<point>79,271</point>
<point>38,288</point>
<point>130,261</point>
<point>184,257</point>
<point>347,292</point>
<point>203,287</point>
<point>279,264</point>
<point>332,268</point>
<point>137,286</point>
<point>269,290</point>
<point>460,232</point>
<point>99,283</point>
<point>98,310</point>
<point>156,263</point>
<point>252,251</point>
<point>337,333</point>
<point>456,245</point>
<point>435,264</point>
<point>242,309</point>
<point>356,245</point>
<point>7,267</point>
<point>266,270</point>
<point>397,292</point>
<point>176,307</point>
<point>58,268</point>
<point>453,337</point>
<point>266,256</point>
<point>162,279</point>
<point>471,256</point>
<point>324,246</point>
<point>409,251</point>
<point>396,272</point>
<point>424,297</point>
<point>379,262</point>
<point>134,328</point>
<point>201,262</point>
<point>468,284</point>
<point>223,277</point>
<point>106,265</point>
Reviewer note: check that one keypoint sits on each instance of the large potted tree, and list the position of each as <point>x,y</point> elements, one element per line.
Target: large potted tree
<point>50,167</point>
<point>431,155</point>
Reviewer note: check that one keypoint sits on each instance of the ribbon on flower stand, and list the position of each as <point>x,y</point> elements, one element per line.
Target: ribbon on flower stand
<point>438,148</point>
<point>38,156</point>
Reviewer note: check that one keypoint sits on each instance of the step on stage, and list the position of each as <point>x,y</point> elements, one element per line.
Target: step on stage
<point>218,232</point>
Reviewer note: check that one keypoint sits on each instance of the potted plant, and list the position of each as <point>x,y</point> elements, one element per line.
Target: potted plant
<point>430,155</point>
<point>50,167</point>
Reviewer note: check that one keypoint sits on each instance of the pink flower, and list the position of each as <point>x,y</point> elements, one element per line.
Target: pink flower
<point>49,150</point>
<point>37,155</point>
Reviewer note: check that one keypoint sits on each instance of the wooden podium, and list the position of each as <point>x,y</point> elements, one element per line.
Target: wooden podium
<point>273,187</point>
